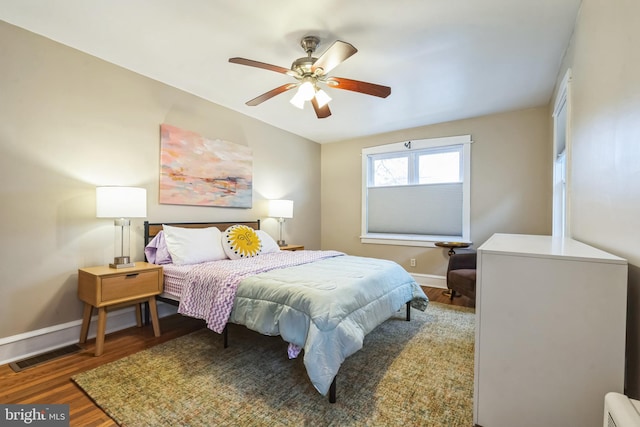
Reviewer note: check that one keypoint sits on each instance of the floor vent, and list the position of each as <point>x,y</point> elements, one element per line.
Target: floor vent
<point>39,359</point>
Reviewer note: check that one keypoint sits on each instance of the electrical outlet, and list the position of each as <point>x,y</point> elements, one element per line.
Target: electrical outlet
<point>413,262</point>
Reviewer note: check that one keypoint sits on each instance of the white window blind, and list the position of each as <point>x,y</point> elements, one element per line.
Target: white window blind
<point>434,209</point>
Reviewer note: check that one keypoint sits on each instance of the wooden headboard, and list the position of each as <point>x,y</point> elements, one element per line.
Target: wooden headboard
<point>151,229</point>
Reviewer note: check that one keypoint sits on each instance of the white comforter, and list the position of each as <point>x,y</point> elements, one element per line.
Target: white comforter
<point>325,307</point>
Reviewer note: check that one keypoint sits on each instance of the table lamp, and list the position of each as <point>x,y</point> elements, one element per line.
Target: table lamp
<point>121,203</point>
<point>281,209</point>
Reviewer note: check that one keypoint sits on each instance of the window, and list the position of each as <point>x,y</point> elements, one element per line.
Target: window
<point>416,192</point>
<point>562,160</point>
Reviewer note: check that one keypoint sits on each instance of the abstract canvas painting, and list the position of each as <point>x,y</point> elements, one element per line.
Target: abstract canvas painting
<point>198,171</point>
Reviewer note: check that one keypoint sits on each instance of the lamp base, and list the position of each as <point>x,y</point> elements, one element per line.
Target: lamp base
<point>282,243</point>
<point>122,262</point>
<point>128,265</point>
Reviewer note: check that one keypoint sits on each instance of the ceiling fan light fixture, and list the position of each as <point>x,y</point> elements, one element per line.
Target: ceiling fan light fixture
<point>322,98</point>
<point>307,90</point>
<point>298,100</point>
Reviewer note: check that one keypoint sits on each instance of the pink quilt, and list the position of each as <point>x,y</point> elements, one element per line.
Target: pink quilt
<point>211,286</point>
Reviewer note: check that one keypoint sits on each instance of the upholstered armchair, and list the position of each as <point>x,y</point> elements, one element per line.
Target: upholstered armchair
<point>461,274</point>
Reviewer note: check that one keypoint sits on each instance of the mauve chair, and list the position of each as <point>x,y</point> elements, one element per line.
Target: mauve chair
<point>461,274</point>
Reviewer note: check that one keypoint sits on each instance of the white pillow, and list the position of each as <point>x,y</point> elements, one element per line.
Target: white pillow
<point>268,244</point>
<point>193,245</point>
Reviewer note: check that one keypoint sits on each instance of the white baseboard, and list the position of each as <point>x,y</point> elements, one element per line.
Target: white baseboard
<point>31,343</point>
<point>430,280</point>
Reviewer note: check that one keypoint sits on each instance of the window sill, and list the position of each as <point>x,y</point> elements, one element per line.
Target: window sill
<point>408,239</point>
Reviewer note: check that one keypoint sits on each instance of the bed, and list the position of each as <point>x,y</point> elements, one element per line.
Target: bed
<point>322,303</point>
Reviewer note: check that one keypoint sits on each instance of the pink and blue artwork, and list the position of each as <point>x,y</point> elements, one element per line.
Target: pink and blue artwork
<point>198,171</point>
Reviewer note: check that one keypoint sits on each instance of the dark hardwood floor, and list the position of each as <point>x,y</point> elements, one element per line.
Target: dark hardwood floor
<point>50,383</point>
<point>436,295</point>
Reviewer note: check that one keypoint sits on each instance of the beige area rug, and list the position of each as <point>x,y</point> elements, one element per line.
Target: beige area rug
<point>417,373</point>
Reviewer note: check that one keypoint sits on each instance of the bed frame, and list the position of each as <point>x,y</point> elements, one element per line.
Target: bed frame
<point>152,229</point>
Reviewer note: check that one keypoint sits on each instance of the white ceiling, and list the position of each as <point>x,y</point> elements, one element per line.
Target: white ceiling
<point>444,60</point>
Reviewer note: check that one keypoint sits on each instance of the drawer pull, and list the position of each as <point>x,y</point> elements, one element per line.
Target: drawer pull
<point>131,275</point>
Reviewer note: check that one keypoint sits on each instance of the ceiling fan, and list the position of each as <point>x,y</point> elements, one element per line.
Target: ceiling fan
<point>311,72</point>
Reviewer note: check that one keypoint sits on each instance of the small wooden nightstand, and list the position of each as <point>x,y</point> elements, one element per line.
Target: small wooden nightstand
<point>108,288</point>
<point>292,248</point>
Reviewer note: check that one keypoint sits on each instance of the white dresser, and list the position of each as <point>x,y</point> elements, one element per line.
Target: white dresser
<point>550,332</point>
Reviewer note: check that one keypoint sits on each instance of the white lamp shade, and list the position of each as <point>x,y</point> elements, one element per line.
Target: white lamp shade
<point>307,91</point>
<point>322,98</point>
<point>298,100</point>
<point>121,202</point>
<point>281,208</point>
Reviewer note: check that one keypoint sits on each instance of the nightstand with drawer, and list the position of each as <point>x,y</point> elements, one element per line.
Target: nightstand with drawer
<point>108,288</point>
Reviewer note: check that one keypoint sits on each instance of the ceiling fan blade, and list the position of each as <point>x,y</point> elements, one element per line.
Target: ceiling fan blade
<point>258,64</point>
<point>321,112</point>
<point>268,95</point>
<point>358,86</point>
<point>332,57</point>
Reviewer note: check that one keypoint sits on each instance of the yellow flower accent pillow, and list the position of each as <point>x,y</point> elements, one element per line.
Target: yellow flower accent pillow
<point>240,241</point>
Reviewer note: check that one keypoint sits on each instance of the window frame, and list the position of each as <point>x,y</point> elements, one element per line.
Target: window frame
<point>401,147</point>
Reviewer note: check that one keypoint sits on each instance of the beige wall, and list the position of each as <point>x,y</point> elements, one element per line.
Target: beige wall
<point>70,122</point>
<point>510,184</point>
<point>605,126</point>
